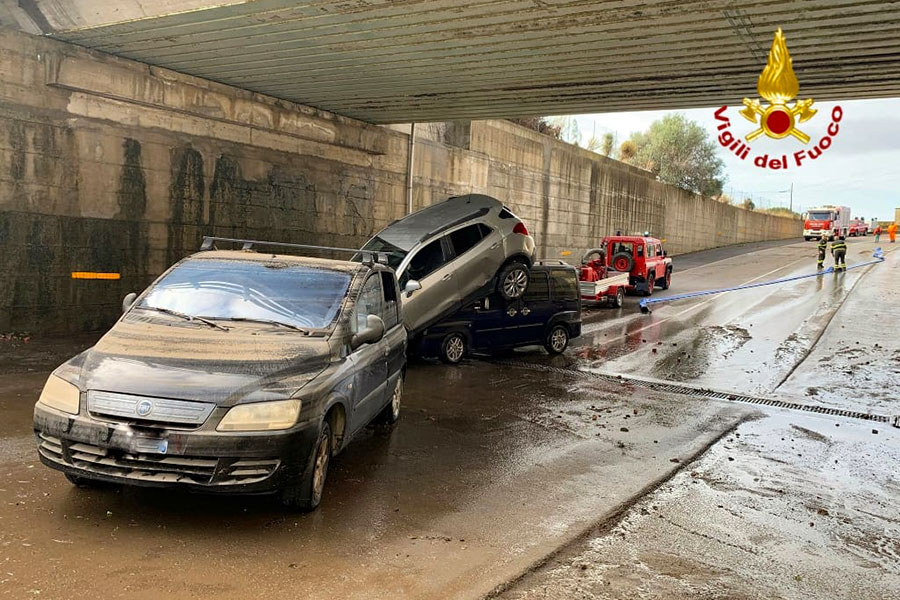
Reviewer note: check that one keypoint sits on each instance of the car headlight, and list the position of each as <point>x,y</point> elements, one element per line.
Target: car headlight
<point>261,416</point>
<point>60,394</point>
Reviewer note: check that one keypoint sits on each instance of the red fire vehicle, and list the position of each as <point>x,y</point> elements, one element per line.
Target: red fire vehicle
<point>640,257</point>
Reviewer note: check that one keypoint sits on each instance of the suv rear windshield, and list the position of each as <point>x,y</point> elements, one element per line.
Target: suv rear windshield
<point>270,291</point>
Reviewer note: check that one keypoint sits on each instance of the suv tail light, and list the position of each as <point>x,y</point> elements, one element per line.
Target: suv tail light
<point>520,228</point>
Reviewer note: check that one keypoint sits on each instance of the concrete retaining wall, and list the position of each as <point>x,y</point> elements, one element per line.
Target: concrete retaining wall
<point>108,165</point>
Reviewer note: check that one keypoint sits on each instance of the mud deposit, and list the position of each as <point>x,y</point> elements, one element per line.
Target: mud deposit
<point>783,508</point>
<point>707,345</point>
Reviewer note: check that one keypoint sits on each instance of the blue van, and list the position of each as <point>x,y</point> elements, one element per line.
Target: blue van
<point>548,314</point>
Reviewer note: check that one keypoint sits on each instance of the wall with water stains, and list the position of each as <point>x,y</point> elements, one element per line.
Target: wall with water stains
<point>107,165</point>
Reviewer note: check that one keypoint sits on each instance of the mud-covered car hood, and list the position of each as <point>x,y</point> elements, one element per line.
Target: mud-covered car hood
<point>193,362</point>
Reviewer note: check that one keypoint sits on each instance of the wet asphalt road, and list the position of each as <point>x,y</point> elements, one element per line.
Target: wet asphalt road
<point>492,468</point>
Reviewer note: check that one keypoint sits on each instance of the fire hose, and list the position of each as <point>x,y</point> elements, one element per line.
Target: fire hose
<point>877,256</point>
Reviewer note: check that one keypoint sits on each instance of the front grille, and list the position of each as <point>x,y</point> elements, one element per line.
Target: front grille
<point>156,467</point>
<point>147,410</point>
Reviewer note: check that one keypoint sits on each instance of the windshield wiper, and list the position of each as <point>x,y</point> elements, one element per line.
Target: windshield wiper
<point>185,316</point>
<point>268,321</point>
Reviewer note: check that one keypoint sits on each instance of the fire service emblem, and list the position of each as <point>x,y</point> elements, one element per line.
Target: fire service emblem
<point>778,86</point>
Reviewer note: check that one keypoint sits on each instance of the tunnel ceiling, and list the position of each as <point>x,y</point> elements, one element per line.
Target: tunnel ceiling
<point>400,61</point>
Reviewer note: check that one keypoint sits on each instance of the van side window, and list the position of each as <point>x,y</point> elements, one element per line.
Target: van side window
<point>650,250</point>
<point>538,287</point>
<point>465,239</point>
<point>370,303</point>
<point>640,250</point>
<point>391,306</point>
<point>426,261</point>
<point>565,285</point>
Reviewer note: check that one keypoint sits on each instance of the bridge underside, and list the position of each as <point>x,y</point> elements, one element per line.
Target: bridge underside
<point>413,60</point>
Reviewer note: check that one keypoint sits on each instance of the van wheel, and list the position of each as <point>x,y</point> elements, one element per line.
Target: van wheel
<point>619,299</point>
<point>453,348</point>
<point>306,494</point>
<point>557,340</point>
<point>512,281</point>
<point>390,414</point>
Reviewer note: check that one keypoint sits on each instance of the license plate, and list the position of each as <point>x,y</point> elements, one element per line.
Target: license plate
<point>151,446</point>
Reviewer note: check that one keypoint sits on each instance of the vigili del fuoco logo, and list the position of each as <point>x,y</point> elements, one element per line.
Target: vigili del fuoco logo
<point>775,117</point>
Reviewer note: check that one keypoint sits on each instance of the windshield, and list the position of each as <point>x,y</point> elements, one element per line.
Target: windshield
<point>275,291</point>
<point>395,254</point>
<point>820,216</point>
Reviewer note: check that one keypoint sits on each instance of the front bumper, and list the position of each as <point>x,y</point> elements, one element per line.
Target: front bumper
<point>198,460</point>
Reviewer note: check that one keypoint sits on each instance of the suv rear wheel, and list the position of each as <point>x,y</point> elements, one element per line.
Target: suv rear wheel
<point>512,280</point>
<point>306,494</point>
<point>651,280</point>
<point>619,299</point>
<point>453,348</point>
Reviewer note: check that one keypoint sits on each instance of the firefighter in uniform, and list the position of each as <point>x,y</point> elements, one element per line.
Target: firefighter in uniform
<point>839,250</point>
<point>822,247</point>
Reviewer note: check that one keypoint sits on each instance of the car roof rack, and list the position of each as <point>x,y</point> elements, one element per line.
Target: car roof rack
<point>548,262</point>
<point>369,257</point>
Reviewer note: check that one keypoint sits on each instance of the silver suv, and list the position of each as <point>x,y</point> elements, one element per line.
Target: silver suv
<point>454,252</point>
<point>236,371</point>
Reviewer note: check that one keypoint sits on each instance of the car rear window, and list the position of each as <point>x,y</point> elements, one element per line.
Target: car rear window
<point>505,214</point>
<point>233,289</point>
<point>565,285</point>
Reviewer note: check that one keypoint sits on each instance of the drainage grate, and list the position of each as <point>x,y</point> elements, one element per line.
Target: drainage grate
<point>677,388</point>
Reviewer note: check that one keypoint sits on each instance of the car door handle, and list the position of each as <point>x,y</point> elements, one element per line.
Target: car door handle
<point>447,277</point>
<point>495,245</point>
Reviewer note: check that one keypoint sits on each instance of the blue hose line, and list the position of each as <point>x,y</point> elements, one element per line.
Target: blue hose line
<point>877,255</point>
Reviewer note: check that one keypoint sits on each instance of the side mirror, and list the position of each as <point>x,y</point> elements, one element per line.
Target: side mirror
<point>411,286</point>
<point>128,301</point>
<point>373,332</point>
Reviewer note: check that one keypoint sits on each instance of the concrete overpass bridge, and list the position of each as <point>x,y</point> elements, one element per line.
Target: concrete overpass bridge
<point>412,60</point>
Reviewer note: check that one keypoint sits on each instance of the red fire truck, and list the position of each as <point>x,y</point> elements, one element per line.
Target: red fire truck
<point>833,220</point>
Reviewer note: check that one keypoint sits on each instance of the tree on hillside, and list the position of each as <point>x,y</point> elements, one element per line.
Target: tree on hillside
<point>627,151</point>
<point>748,204</point>
<point>607,146</point>
<point>679,152</point>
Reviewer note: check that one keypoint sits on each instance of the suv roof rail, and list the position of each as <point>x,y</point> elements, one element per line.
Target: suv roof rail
<point>369,257</point>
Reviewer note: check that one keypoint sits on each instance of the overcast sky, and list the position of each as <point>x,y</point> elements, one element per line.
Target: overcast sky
<point>861,169</point>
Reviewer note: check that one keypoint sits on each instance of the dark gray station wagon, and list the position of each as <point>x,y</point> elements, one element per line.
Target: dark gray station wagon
<point>236,371</point>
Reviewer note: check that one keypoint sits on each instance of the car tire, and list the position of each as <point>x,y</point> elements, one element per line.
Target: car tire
<point>453,348</point>
<point>618,301</point>
<point>390,414</point>
<point>651,280</point>
<point>622,262</point>
<point>667,280</point>
<point>512,280</point>
<point>306,494</point>
<point>557,339</point>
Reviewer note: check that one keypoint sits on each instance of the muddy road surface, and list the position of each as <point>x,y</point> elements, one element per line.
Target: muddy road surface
<point>531,476</point>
